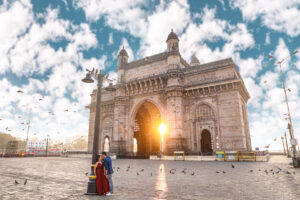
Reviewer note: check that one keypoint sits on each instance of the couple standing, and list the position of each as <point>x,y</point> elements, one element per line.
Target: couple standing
<point>103,171</point>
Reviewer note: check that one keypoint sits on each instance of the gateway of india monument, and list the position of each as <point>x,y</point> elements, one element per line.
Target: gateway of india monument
<point>202,105</point>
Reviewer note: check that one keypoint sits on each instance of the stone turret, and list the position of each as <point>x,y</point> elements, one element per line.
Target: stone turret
<point>172,42</point>
<point>194,61</point>
<point>123,57</point>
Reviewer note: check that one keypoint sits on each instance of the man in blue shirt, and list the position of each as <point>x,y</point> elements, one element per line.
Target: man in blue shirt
<point>108,172</point>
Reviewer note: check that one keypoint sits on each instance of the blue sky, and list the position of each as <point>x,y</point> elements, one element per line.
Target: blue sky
<point>47,45</point>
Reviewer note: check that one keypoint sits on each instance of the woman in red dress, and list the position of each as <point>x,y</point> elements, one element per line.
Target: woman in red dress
<point>101,180</point>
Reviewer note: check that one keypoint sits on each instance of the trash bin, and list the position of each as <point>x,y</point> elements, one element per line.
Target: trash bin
<point>178,155</point>
<point>220,155</point>
<point>231,156</point>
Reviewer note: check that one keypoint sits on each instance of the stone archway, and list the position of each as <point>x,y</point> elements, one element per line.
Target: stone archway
<point>146,121</point>
<point>206,142</point>
<point>106,144</point>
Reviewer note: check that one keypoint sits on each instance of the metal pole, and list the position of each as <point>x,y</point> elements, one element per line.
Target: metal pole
<point>92,190</point>
<point>284,152</point>
<point>27,135</point>
<point>287,146</point>
<point>47,148</point>
<point>288,109</point>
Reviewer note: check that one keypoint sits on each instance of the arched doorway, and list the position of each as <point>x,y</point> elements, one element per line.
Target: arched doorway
<point>206,142</point>
<point>106,144</point>
<point>146,122</point>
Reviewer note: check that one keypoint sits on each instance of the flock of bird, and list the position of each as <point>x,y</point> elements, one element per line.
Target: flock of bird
<point>184,171</point>
<point>51,113</point>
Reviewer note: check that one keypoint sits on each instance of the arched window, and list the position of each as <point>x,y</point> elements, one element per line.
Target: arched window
<point>135,145</point>
<point>106,144</point>
<point>204,112</point>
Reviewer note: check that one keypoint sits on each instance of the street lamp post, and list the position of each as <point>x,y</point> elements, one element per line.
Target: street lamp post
<point>290,125</point>
<point>287,146</point>
<point>28,123</point>
<point>284,152</point>
<point>92,190</point>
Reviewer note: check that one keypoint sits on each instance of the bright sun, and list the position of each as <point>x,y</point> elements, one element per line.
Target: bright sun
<point>162,129</point>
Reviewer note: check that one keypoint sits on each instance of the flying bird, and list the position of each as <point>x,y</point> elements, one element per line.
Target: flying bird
<point>40,99</point>
<point>20,91</point>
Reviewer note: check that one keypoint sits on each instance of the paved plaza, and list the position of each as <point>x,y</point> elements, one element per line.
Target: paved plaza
<point>65,178</point>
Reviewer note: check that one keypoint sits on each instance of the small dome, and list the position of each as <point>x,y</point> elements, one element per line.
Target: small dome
<point>172,35</point>
<point>123,52</point>
<point>194,60</point>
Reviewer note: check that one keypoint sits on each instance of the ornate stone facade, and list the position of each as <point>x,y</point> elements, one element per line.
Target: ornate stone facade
<point>203,105</point>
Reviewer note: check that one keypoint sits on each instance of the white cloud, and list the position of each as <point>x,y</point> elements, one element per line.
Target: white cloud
<point>174,15</point>
<point>125,15</point>
<point>110,39</point>
<point>267,41</point>
<point>125,44</point>
<point>282,16</point>
<point>249,67</point>
<point>255,91</point>
<point>15,19</point>
<point>282,52</point>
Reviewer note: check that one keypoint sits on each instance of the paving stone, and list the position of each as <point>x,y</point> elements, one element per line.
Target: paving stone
<point>64,178</point>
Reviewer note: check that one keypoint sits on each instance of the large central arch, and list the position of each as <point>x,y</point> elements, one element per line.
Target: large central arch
<point>146,121</point>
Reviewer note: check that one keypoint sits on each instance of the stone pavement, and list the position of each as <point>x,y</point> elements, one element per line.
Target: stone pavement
<point>64,178</point>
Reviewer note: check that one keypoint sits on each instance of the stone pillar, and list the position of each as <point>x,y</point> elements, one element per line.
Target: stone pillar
<point>176,139</point>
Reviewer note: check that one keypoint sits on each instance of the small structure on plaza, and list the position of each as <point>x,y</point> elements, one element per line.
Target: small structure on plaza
<point>202,105</point>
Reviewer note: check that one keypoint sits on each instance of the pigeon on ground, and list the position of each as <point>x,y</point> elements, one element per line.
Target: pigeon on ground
<point>294,173</point>
<point>151,174</point>
<point>287,172</point>
<point>251,170</point>
<point>86,173</point>
<point>192,174</point>
<point>25,181</point>
<point>142,170</point>
<point>217,172</point>
<point>16,182</point>
<point>232,166</point>
<point>224,172</point>
<point>137,173</point>
<point>127,169</point>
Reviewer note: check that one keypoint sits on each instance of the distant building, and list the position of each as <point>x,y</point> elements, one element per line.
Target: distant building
<point>203,105</point>
<point>38,144</point>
